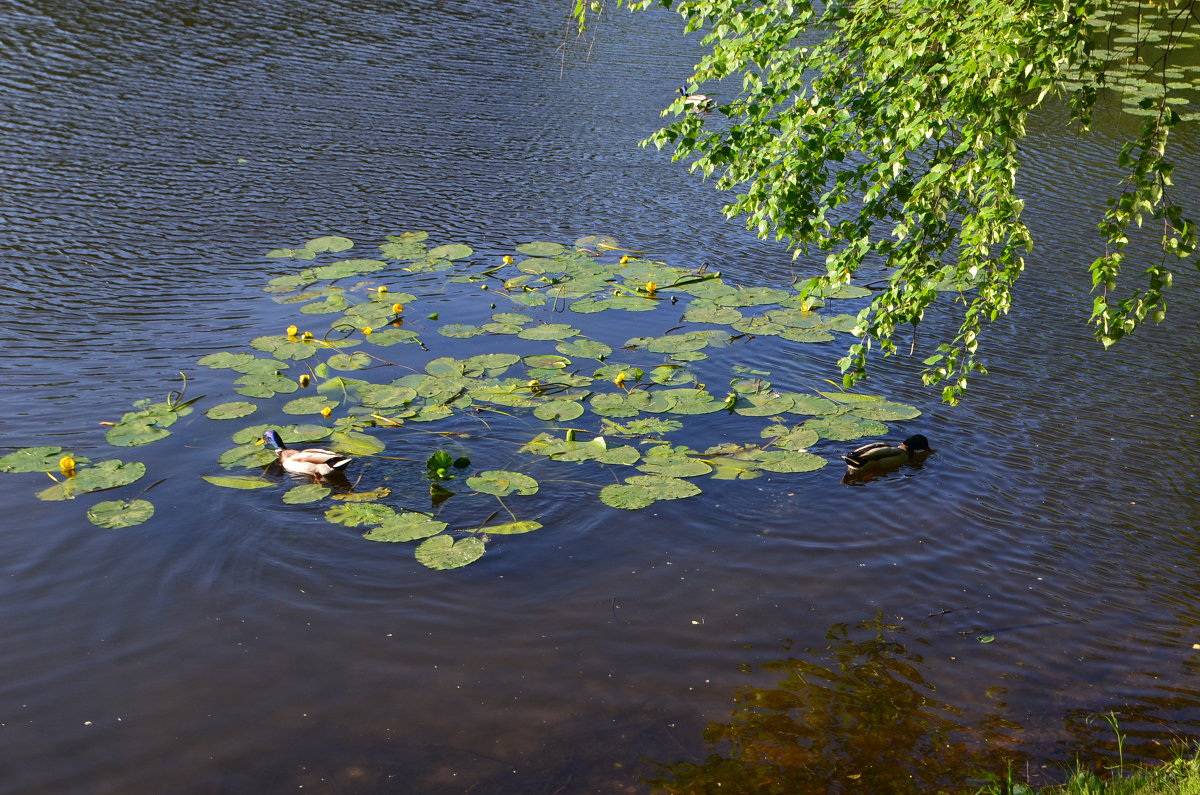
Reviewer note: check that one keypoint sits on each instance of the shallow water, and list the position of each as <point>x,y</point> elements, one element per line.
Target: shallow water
<point>153,151</point>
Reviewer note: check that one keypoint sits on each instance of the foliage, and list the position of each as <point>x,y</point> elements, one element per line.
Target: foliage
<point>886,137</point>
<point>353,395</point>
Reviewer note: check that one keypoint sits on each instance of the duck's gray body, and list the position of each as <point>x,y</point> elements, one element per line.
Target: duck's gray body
<point>881,455</point>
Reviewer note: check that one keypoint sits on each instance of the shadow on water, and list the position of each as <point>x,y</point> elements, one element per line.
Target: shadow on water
<point>856,716</point>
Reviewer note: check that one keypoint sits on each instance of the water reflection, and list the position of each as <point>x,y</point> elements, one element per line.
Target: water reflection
<point>856,716</point>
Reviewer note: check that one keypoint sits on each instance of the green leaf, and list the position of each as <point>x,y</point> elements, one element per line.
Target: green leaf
<point>246,455</point>
<point>584,349</point>
<point>378,493</point>
<point>342,361</point>
<point>33,459</point>
<point>355,443</point>
<point>134,434</point>
<point>358,514</point>
<point>407,526</point>
<point>558,411</point>
<point>238,481</point>
<point>453,251</point>
<point>114,514</point>
<point>333,243</point>
<point>509,529</point>
<point>309,492</point>
<point>548,331</point>
<point>502,483</point>
<point>104,475</point>
<point>443,552</point>
<point>640,491</point>
<point>231,411</point>
<point>309,405</point>
<point>264,386</point>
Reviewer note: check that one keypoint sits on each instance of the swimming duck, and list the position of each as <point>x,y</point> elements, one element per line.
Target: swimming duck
<point>880,456</point>
<point>696,102</point>
<point>310,461</point>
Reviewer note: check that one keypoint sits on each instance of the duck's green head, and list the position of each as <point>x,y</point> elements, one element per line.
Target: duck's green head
<point>271,439</point>
<point>916,444</point>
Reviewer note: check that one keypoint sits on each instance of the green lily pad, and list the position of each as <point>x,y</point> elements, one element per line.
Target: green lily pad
<point>112,514</point>
<point>104,475</point>
<point>845,428</point>
<point>502,483</point>
<point>312,404</point>
<point>238,481</point>
<point>460,331</point>
<point>763,405</point>
<point>231,411</point>
<point>355,443</point>
<point>246,455</point>
<point>509,529</point>
<point>443,552</point>
<point>584,349</point>
<point>548,331</point>
<point>640,491</point>
<point>558,411</point>
<point>332,243</point>
<point>385,396</point>
<point>348,267</point>
<point>343,361</point>
<point>309,492</point>
<point>393,336</point>
<point>407,526</point>
<point>134,434</point>
<point>541,249</point>
<point>264,386</point>
<point>359,514</point>
<point>282,346</point>
<point>453,251</point>
<point>789,461</point>
<point>785,438</point>
<point>33,459</point>
<point>378,493</point>
<point>511,319</point>
<point>885,411</point>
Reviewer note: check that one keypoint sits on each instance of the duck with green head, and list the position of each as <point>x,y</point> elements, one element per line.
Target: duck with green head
<point>882,456</point>
<point>309,461</point>
<point>696,102</point>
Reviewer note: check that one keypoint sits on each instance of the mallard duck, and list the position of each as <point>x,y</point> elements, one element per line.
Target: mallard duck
<point>310,461</point>
<point>879,456</point>
<point>696,102</point>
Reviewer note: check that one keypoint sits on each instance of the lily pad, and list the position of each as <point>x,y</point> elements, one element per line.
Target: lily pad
<point>378,493</point>
<point>309,492</point>
<point>358,514</point>
<point>104,475</point>
<point>558,411</point>
<point>453,251</point>
<point>443,552</point>
<point>231,411</point>
<point>264,386</point>
<point>238,481</point>
<point>355,443</point>
<point>407,526</point>
<point>640,491</point>
<point>33,459</point>
<point>584,349</point>
<point>509,529</point>
<point>309,405</point>
<point>246,455</point>
<point>548,331</point>
<point>112,514</point>
<point>502,483</point>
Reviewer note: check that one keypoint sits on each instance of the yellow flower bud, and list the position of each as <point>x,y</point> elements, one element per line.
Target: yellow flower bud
<point>291,332</point>
<point>535,385</point>
<point>397,308</point>
<point>620,380</point>
<point>304,379</point>
<point>66,465</point>
<point>508,260</point>
<point>383,288</point>
<point>624,259</point>
<point>367,330</point>
<point>651,288</point>
<point>308,335</point>
<point>325,412</point>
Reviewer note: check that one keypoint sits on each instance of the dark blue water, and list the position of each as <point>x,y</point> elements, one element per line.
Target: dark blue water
<point>152,152</point>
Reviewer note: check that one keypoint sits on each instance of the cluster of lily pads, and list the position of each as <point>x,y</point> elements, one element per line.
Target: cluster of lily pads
<point>592,402</point>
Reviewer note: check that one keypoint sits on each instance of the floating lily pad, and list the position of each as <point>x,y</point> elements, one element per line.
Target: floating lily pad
<point>789,461</point>
<point>284,347</point>
<point>348,267</point>
<point>309,405</point>
<point>246,455</point>
<point>393,336</point>
<point>359,514</point>
<point>385,396</point>
<point>342,361</point>
<point>378,493</point>
<point>34,459</point>
<point>355,443</point>
<point>104,475</point>
<point>443,552</point>
<point>845,428</point>
<point>558,411</point>
<point>763,405</point>
<point>238,481</point>
<point>502,483</point>
<point>309,492</point>
<point>407,526</point>
<point>584,349</point>
<point>231,411</point>
<point>112,514</point>
<point>264,386</point>
<point>509,529</point>
<point>333,243</point>
<point>461,330</point>
<point>453,251</point>
<point>640,491</point>
<point>541,249</point>
<point>548,331</point>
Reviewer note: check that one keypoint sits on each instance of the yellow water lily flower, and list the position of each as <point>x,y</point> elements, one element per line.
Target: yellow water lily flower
<point>304,379</point>
<point>291,332</point>
<point>383,288</point>
<point>624,258</point>
<point>651,288</point>
<point>367,330</point>
<point>66,465</point>
<point>308,335</point>
<point>325,412</point>
<point>397,308</point>
<point>620,380</point>
<point>535,386</point>
<point>508,259</point>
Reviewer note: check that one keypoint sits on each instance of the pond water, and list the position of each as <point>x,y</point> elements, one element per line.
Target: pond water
<point>154,151</point>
